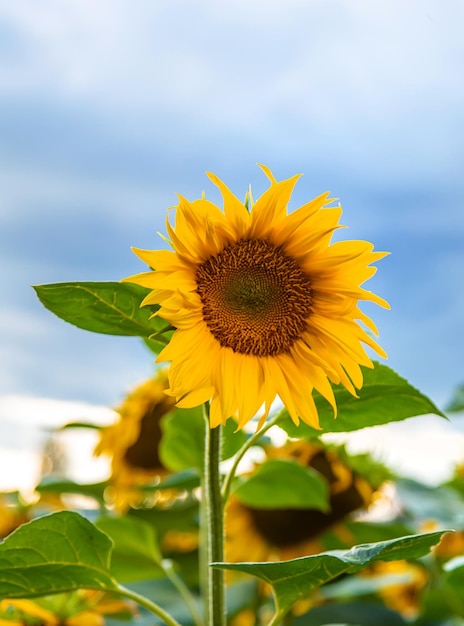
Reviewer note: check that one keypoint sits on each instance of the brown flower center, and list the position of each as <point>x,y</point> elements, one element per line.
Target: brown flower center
<point>256,300</point>
<point>143,453</point>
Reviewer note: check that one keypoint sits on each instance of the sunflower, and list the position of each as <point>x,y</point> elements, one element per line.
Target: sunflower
<point>286,533</point>
<point>404,583</point>
<point>132,441</point>
<point>264,305</point>
<point>77,608</point>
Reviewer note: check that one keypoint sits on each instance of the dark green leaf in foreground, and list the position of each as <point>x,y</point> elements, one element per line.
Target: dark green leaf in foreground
<point>102,307</point>
<point>384,397</point>
<point>284,484</point>
<point>55,553</point>
<point>136,554</point>
<point>293,580</point>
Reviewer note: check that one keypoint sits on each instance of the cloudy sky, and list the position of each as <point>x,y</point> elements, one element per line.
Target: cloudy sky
<point>109,108</point>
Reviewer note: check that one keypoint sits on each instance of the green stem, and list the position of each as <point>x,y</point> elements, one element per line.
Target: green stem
<point>241,453</point>
<point>148,604</point>
<point>213,527</point>
<point>183,591</point>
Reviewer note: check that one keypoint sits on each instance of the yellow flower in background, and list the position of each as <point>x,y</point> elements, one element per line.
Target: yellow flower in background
<point>254,534</point>
<point>76,608</point>
<point>404,584</point>
<point>263,303</point>
<point>132,442</point>
<point>11,516</point>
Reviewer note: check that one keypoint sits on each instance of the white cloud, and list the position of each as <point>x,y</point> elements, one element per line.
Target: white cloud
<point>26,423</point>
<point>48,413</point>
<point>241,61</point>
<point>426,448</point>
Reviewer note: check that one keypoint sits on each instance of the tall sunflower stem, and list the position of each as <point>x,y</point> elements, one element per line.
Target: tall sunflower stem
<point>213,527</point>
<point>226,487</point>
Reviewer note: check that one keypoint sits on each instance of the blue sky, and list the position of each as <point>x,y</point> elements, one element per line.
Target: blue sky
<point>109,108</point>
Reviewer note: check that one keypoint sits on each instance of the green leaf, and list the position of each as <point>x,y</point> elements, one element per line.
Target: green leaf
<point>232,440</point>
<point>92,490</point>
<point>186,480</point>
<point>183,443</point>
<point>278,483</point>
<point>352,614</point>
<point>294,580</point>
<point>384,397</point>
<point>58,552</point>
<point>454,584</point>
<point>136,554</point>
<point>424,503</point>
<point>102,307</point>
<point>357,532</point>
<point>363,464</point>
<point>456,403</point>
<point>70,425</point>
<point>183,516</point>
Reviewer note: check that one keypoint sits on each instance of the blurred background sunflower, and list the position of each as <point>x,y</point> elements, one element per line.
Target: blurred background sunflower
<point>132,444</point>
<point>264,534</point>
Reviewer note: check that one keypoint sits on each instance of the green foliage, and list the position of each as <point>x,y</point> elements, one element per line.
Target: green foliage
<point>295,579</point>
<point>384,397</point>
<point>183,442</point>
<point>103,307</point>
<point>423,503</point>
<point>186,480</point>
<point>352,614</point>
<point>454,583</point>
<point>55,553</point>
<point>51,485</point>
<point>279,483</point>
<point>136,554</point>
<point>456,403</point>
<point>232,440</point>
<point>363,464</point>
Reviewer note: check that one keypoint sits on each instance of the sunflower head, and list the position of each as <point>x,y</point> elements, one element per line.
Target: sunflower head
<point>285,533</point>
<point>263,302</point>
<point>84,607</point>
<point>132,441</point>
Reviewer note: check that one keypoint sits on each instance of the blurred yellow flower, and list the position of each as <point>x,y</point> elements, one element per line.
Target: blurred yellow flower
<point>132,441</point>
<point>77,608</point>
<point>263,303</point>
<point>254,534</point>
<point>11,516</point>
<point>403,593</point>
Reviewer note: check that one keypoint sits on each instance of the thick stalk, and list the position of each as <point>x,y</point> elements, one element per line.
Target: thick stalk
<point>213,527</point>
